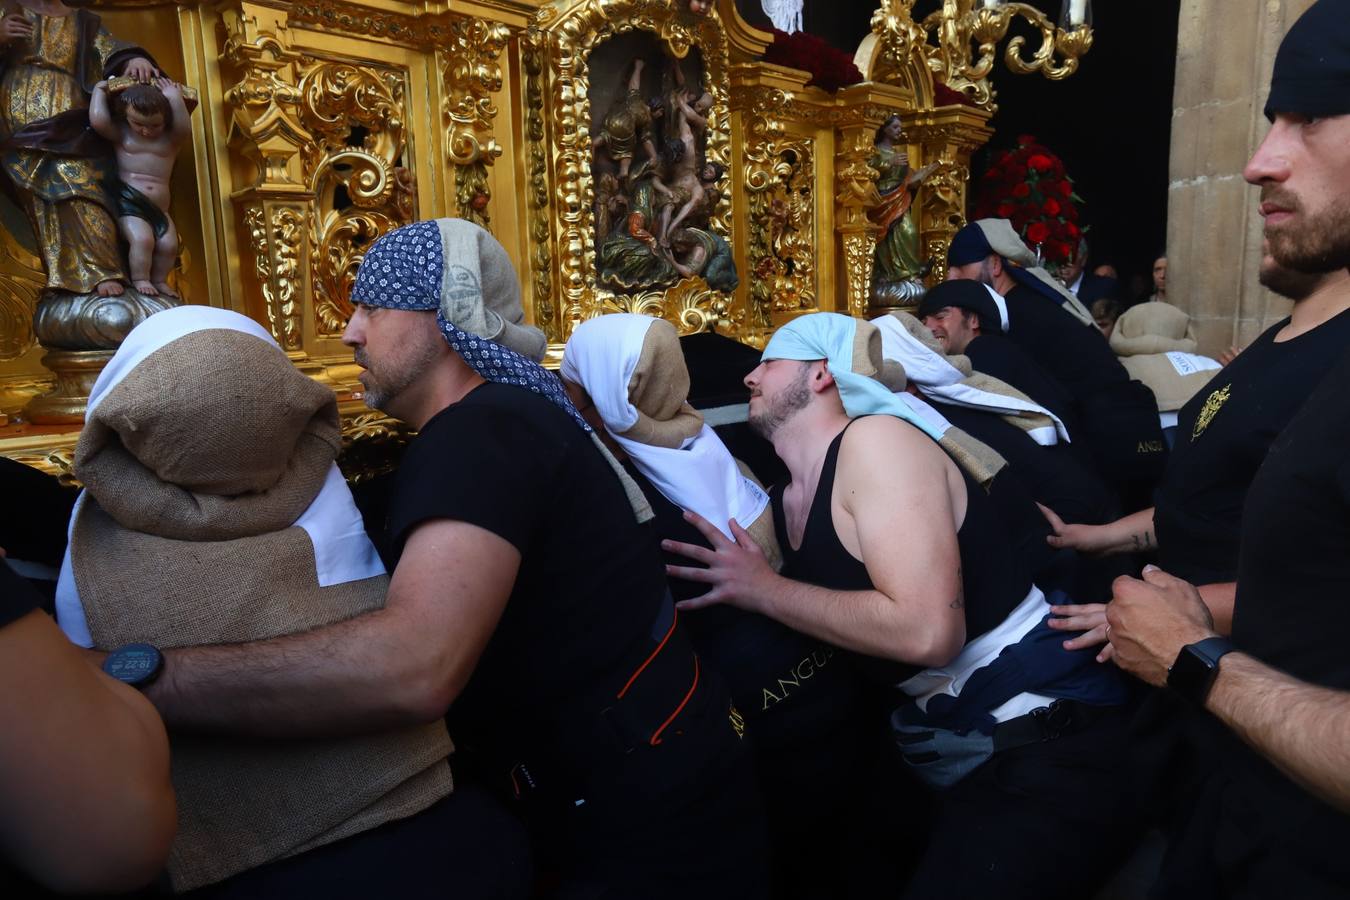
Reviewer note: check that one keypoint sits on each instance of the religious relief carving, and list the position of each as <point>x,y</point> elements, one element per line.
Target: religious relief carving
<point>635,146</point>
<point>900,265</point>
<point>653,208</point>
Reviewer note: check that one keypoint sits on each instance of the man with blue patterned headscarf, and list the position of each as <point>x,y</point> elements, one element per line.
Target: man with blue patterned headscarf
<point>525,592</point>
<point>895,555</point>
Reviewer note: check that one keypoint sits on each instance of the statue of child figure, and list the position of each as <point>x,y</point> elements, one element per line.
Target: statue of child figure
<point>146,123</point>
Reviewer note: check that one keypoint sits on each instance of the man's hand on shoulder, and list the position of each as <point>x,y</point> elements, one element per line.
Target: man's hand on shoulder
<point>1149,621</point>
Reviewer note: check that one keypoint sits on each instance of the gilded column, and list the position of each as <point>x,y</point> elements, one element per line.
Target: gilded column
<point>266,130</point>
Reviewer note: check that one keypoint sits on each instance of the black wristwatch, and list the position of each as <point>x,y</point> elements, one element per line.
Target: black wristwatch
<point>1193,672</point>
<point>134,664</point>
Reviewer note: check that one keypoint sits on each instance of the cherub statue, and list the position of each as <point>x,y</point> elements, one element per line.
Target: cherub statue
<point>629,123</point>
<point>146,124</point>
<point>50,55</point>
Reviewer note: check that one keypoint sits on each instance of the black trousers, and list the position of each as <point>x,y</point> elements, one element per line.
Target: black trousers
<point>467,846</point>
<point>1046,820</point>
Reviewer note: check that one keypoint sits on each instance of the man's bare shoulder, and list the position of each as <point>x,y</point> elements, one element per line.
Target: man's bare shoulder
<point>890,439</point>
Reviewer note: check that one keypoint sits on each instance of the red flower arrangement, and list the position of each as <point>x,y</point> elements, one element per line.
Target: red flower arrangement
<point>830,67</point>
<point>1028,186</point>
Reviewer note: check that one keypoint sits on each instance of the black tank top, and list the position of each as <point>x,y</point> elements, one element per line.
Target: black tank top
<point>994,585</point>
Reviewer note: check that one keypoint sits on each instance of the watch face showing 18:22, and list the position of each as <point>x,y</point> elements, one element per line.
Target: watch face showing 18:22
<point>134,664</point>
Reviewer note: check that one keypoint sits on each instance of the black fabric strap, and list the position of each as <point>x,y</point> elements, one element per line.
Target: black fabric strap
<point>1047,723</point>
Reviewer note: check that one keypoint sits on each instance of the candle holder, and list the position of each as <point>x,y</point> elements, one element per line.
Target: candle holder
<point>958,25</point>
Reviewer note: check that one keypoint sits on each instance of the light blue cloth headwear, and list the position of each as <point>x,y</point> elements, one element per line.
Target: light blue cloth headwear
<point>462,272</point>
<point>852,350</point>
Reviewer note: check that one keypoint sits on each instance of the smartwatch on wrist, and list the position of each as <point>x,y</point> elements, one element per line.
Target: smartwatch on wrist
<point>1193,672</point>
<point>135,664</point>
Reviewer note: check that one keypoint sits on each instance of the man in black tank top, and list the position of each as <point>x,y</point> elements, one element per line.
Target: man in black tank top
<point>913,576</point>
<point>1271,819</point>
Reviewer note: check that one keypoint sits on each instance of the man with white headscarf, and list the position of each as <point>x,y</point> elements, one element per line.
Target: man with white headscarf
<point>1010,728</point>
<point>207,522</point>
<point>1118,418</point>
<point>525,593</point>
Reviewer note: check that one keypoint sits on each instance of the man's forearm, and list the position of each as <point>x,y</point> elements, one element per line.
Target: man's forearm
<point>1219,598</point>
<point>1131,534</point>
<point>865,621</point>
<point>351,677</point>
<point>1301,728</point>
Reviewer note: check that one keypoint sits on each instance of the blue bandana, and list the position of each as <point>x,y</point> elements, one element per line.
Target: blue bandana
<point>404,270</point>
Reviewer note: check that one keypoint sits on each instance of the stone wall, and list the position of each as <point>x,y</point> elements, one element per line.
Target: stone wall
<point>1225,51</point>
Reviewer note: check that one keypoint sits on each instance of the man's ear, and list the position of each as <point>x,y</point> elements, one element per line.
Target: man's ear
<point>995,265</point>
<point>821,378</point>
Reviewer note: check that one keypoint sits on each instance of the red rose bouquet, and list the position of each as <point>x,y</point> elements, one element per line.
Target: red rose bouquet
<point>830,67</point>
<point>1028,186</point>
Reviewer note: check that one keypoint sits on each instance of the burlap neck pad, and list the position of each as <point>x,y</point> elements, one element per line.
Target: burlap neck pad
<point>1153,327</point>
<point>976,458</point>
<point>1171,389</point>
<point>241,802</point>
<point>658,390</point>
<point>1024,419</point>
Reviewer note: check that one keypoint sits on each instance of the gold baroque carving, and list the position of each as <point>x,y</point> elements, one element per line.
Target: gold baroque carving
<point>779,182</point>
<point>855,193</point>
<point>472,75</point>
<point>22,284</point>
<point>279,241</point>
<point>690,305</point>
<point>336,99</point>
<point>536,171</point>
<point>371,443</point>
<point>563,44</point>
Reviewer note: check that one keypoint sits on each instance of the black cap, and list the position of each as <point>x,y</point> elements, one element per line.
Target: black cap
<point>1312,68</point>
<point>964,294</point>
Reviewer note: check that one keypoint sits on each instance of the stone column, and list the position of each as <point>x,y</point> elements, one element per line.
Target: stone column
<point>1225,51</point>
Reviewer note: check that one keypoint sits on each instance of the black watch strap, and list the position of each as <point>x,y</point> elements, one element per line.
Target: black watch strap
<point>1193,672</point>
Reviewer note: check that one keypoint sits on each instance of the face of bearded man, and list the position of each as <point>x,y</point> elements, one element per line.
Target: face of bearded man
<point>1303,168</point>
<point>395,347</point>
<point>779,389</point>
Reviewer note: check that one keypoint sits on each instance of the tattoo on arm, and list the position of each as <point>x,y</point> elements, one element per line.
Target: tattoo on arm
<point>960,601</point>
<point>1142,542</point>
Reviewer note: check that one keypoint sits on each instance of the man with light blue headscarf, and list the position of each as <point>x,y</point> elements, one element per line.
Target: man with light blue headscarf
<point>893,553</point>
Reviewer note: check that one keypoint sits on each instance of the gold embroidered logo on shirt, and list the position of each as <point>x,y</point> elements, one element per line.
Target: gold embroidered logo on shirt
<point>1213,404</point>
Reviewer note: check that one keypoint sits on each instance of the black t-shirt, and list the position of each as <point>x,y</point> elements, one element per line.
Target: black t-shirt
<point>1292,612</point>
<point>590,587</point>
<point>1223,434</point>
